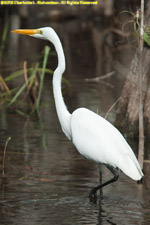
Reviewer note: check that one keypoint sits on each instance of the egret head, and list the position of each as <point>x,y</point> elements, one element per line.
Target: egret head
<point>47,33</point>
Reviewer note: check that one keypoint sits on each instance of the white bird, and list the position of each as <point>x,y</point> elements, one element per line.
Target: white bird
<point>94,137</point>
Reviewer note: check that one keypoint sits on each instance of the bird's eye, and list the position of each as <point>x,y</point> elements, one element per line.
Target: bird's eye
<point>39,32</point>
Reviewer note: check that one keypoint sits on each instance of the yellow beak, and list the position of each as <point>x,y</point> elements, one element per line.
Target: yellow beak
<point>25,32</point>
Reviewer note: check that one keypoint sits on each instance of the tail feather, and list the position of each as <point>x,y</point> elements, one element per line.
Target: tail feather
<point>132,168</point>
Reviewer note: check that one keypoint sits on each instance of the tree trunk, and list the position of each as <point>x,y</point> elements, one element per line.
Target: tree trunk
<point>128,108</point>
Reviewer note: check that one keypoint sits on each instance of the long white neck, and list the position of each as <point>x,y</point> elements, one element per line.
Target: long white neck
<point>62,112</point>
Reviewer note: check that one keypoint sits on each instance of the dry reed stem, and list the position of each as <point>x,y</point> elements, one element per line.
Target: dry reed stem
<point>4,155</point>
<point>141,123</point>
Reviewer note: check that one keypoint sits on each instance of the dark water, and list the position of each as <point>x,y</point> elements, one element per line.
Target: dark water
<point>46,180</point>
<point>51,185</point>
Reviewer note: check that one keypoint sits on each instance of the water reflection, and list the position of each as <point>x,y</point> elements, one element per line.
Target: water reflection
<point>47,181</point>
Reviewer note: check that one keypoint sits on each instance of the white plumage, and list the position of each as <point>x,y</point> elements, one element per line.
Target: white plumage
<point>94,137</point>
<point>99,140</point>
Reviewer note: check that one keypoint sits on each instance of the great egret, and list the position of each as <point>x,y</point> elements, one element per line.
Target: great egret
<point>94,137</point>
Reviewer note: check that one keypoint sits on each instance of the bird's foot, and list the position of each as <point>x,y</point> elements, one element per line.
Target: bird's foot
<point>140,181</point>
<point>93,196</point>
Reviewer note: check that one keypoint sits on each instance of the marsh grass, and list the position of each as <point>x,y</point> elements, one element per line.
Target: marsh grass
<point>4,37</point>
<point>47,50</point>
<point>30,92</point>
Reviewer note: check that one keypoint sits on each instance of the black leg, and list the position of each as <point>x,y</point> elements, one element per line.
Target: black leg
<point>101,180</point>
<point>93,195</point>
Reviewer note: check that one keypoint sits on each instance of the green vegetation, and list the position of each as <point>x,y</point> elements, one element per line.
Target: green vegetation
<point>146,35</point>
<point>4,37</point>
<point>134,27</point>
<point>31,89</point>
